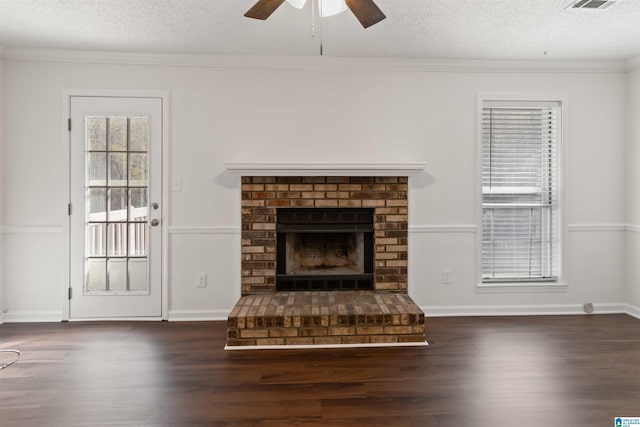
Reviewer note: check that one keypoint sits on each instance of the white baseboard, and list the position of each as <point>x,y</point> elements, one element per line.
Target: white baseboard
<point>116,319</point>
<point>451,311</point>
<point>32,316</point>
<point>197,315</point>
<point>430,311</point>
<point>521,310</point>
<point>56,316</point>
<point>633,311</point>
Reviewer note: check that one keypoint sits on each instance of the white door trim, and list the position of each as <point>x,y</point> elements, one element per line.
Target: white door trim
<point>65,109</point>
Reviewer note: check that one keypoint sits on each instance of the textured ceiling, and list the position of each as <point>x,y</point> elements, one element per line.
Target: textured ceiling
<point>467,29</point>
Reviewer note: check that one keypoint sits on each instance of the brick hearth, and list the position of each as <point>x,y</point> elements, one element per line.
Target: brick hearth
<point>324,318</point>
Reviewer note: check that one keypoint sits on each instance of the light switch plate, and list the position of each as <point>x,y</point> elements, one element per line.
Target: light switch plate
<point>176,184</point>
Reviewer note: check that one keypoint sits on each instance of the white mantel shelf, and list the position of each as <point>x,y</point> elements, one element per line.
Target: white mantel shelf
<point>325,169</point>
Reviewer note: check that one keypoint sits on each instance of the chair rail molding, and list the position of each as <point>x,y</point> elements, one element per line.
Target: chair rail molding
<point>439,228</point>
<point>597,227</point>
<point>31,229</point>
<point>204,230</point>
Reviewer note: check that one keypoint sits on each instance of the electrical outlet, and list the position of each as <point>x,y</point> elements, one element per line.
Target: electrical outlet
<point>201,280</point>
<point>447,274</point>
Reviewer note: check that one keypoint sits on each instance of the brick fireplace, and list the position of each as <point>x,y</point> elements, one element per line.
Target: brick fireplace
<point>262,196</point>
<point>365,303</point>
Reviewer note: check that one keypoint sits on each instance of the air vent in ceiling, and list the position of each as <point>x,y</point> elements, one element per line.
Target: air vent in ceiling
<point>593,4</point>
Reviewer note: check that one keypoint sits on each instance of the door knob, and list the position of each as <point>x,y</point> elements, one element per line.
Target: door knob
<point>154,222</point>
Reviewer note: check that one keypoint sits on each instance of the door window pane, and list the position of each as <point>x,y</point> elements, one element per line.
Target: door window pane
<point>118,204</point>
<point>97,201</point>
<point>118,169</point>
<point>138,134</point>
<point>97,169</point>
<point>117,239</point>
<point>96,275</point>
<point>138,204</point>
<point>138,275</point>
<point>97,133</point>
<point>138,170</point>
<point>138,239</point>
<point>96,240</point>
<point>117,134</point>
<point>117,269</point>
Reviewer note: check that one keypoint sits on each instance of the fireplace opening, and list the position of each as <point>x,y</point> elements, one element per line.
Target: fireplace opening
<point>324,249</point>
<point>325,253</point>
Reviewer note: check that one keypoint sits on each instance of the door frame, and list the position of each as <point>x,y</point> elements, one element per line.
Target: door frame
<point>65,109</point>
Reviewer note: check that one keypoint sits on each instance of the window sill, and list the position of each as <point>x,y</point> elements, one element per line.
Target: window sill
<point>515,287</point>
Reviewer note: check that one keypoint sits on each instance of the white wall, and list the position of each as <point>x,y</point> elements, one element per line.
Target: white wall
<point>632,290</point>
<point>220,114</point>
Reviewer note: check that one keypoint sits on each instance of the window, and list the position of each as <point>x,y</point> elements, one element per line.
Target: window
<point>520,191</point>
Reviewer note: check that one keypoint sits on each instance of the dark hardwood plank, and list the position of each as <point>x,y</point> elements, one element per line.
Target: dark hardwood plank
<point>541,371</point>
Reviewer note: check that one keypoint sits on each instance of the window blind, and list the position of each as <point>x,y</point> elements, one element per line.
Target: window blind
<point>520,206</point>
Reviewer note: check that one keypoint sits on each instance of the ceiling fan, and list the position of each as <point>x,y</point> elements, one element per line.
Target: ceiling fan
<point>367,12</point>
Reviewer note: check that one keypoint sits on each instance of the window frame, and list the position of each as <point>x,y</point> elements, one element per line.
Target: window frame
<point>559,282</point>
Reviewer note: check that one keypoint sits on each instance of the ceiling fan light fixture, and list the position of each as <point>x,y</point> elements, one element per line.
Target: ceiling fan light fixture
<point>366,11</point>
<point>327,7</point>
<point>332,7</point>
<point>298,4</point>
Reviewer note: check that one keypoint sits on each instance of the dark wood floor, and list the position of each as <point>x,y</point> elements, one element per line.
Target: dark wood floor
<point>516,371</point>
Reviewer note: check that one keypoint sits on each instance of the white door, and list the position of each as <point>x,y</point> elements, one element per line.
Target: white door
<point>115,222</point>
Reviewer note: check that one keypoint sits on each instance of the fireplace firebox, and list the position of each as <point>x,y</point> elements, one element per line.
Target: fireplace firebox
<point>324,249</point>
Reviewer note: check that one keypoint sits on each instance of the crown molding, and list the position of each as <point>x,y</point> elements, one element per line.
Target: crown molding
<point>324,169</point>
<point>313,62</point>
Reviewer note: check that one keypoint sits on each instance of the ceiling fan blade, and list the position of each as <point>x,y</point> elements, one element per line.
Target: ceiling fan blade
<point>367,12</point>
<point>263,9</point>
